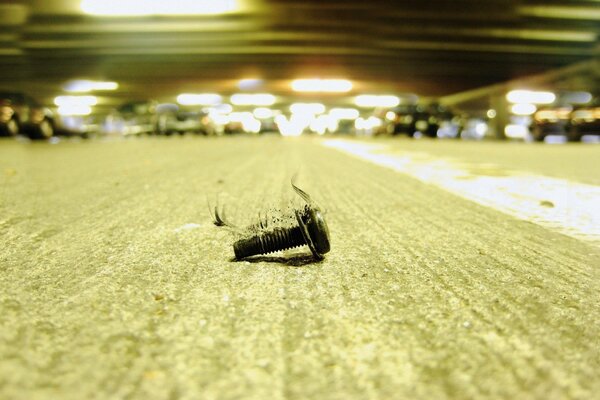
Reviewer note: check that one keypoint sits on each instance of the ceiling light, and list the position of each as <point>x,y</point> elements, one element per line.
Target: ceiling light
<point>250,84</point>
<point>322,85</point>
<point>76,101</point>
<point>259,99</point>
<point>376,101</point>
<point>528,96</point>
<point>202,99</point>
<point>523,109</point>
<point>74,109</point>
<point>83,86</point>
<point>577,97</point>
<point>307,108</point>
<point>127,8</point>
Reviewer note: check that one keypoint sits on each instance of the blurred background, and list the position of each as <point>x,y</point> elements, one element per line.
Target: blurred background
<point>525,70</point>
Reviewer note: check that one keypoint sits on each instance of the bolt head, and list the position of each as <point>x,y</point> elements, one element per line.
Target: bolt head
<point>315,231</point>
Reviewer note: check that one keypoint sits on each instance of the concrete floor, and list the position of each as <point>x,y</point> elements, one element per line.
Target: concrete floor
<point>114,283</point>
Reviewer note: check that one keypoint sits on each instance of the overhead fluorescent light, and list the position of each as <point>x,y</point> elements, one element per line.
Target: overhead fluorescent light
<point>74,109</point>
<point>76,101</point>
<point>376,101</point>
<point>307,108</point>
<point>84,86</point>
<point>322,85</point>
<point>132,8</point>
<point>257,99</point>
<point>523,109</point>
<point>577,97</point>
<point>529,96</point>
<point>250,84</point>
<point>201,99</point>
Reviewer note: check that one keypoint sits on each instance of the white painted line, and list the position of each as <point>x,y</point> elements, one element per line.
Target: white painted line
<point>571,208</point>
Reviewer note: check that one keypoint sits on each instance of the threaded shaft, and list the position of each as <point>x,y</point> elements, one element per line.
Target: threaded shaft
<point>276,240</point>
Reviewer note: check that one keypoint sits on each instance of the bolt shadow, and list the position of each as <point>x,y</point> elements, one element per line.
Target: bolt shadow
<point>291,261</point>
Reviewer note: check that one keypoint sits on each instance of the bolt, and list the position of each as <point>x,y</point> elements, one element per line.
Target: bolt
<point>311,231</point>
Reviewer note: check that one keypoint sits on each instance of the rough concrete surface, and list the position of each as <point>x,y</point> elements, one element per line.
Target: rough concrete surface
<point>114,283</point>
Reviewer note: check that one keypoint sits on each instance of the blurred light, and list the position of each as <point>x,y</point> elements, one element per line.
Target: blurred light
<point>307,108</point>
<point>263,113</point>
<point>523,109</point>
<point>249,123</point>
<point>202,99</point>
<point>324,123</point>
<point>220,119</point>
<point>157,7</point>
<point>555,139</point>
<point>74,109</point>
<point>491,113</point>
<point>219,109</point>
<point>514,131</point>
<point>481,129</point>
<point>590,139</point>
<point>528,96</point>
<point>577,97</point>
<point>76,101</point>
<point>376,101</point>
<point>367,124</point>
<point>322,85</point>
<point>83,86</point>
<point>588,114</point>
<point>250,84</point>
<point>294,126</point>
<point>240,116</point>
<point>554,115</point>
<point>344,113</point>
<point>390,115</point>
<point>259,99</point>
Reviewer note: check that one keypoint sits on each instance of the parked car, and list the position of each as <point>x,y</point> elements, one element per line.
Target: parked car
<point>551,121</point>
<point>21,114</point>
<point>424,120</point>
<point>585,121</point>
<point>133,119</point>
<point>173,120</point>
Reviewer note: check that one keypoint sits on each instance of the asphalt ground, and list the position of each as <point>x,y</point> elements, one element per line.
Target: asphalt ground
<point>115,284</point>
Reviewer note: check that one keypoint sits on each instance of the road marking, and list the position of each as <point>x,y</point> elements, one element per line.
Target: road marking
<point>571,208</point>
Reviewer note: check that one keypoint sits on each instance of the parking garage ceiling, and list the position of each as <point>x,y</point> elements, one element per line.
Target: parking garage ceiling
<point>432,48</point>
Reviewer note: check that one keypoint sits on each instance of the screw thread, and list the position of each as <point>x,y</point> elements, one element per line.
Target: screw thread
<point>276,240</point>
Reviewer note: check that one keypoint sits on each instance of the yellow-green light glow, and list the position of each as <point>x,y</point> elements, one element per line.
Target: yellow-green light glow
<point>322,85</point>
<point>157,7</point>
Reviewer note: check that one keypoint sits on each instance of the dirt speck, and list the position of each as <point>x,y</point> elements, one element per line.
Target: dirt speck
<point>547,203</point>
